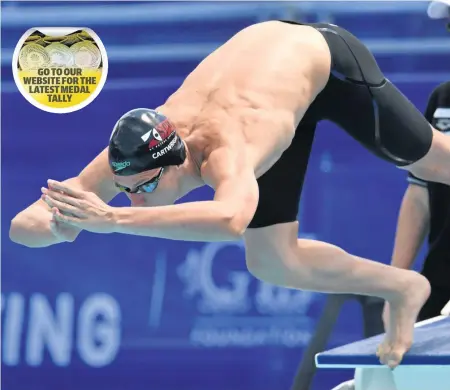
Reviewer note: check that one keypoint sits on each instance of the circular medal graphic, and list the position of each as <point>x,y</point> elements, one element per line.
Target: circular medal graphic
<point>86,55</point>
<point>60,55</point>
<point>60,70</point>
<point>33,56</point>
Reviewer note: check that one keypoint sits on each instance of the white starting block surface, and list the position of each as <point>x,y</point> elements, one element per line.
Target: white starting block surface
<point>426,366</point>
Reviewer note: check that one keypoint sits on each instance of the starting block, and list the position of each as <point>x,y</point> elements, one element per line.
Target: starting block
<point>425,366</point>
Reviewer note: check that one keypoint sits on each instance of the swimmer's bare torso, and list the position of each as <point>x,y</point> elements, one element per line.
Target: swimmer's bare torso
<point>251,93</point>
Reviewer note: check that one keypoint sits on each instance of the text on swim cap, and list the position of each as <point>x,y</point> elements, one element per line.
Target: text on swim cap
<point>118,166</point>
<point>163,151</point>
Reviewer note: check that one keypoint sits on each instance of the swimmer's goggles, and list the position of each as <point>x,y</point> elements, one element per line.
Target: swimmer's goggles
<point>147,187</point>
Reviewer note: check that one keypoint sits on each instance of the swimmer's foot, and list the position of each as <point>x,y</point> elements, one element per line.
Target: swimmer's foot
<point>403,312</point>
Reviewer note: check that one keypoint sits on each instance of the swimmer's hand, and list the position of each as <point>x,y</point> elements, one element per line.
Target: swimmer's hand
<point>62,231</point>
<point>78,208</point>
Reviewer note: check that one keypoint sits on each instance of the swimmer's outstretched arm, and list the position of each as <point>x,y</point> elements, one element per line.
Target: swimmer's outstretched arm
<point>223,219</point>
<point>32,227</point>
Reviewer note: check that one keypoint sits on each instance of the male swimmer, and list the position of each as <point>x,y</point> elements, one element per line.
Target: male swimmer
<point>243,123</point>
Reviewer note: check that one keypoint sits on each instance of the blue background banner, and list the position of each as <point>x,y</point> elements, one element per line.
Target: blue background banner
<point>115,312</point>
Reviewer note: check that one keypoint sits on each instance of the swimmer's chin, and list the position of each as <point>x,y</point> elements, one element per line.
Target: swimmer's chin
<point>139,203</point>
<point>139,200</point>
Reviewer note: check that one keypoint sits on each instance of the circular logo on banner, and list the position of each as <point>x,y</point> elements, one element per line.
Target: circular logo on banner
<point>60,69</point>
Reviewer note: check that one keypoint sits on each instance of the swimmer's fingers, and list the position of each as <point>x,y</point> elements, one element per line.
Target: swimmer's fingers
<point>70,220</point>
<point>61,197</point>
<point>47,200</point>
<point>66,188</point>
<point>54,223</point>
<point>63,207</point>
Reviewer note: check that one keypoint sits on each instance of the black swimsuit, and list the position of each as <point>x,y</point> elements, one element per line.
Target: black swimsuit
<point>360,100</point>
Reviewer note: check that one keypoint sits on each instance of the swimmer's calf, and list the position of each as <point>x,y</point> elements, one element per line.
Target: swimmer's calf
<point>318,266</point>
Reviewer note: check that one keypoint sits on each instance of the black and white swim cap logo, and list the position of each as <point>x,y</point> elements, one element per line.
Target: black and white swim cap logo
<point>156,135</point>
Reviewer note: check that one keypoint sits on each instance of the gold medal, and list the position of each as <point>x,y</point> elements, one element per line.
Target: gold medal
<point>33,39</point>
<point>52,39</point>
<point>69,40</point>
<point>33,56</point>
<point>84,35</point>
<point>86,55</point>
<point>60,55</point>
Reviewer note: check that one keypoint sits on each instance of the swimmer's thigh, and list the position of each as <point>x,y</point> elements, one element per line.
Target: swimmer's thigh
<point>368,106</point>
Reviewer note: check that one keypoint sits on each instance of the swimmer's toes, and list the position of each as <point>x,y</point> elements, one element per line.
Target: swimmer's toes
<point>383,352</point>
<point>397,353</point>
<point>394,359</point>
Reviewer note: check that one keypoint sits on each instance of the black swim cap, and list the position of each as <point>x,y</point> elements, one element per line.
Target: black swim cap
<point>144,139</point>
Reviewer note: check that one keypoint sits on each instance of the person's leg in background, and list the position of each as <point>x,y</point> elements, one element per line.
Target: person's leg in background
<point>372,314</point>
<point>425,207</point>
<point>435,165</point>
<point>432,166</point>
<point>439,297</point>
